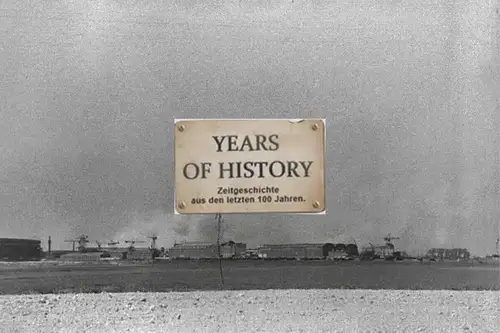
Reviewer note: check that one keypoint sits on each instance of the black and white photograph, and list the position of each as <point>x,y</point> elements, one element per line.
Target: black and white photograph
<point>193,166</point>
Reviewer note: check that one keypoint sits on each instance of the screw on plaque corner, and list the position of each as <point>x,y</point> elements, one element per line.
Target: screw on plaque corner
<point>181,128</point>
<point>315,127</point>
<point>316,204</point>
<point>182,205</point>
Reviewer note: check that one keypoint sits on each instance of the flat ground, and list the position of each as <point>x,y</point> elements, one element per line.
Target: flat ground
<point>269,311</point>
<point>23,278</point>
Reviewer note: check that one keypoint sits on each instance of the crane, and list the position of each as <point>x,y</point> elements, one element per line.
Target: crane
<point>388,240</point>
<point>82,241</point>
<point>389,247</point>
<point>131,248</point>
<point>153,242</point>
<point>155,252</point>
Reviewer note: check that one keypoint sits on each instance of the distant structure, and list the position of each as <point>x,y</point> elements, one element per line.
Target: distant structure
<point>251,254</point>
<point>82,243</point>
<point>203,250</point>
<point>234,250</point>
<point>134,253</point>
<point>344,252</point>
<point>368,252</point>
<point>496,256</point>
<point>308,251</point>
<point>83,256</point>
<point>386,251</point>
<point>131,247</point>
<point>449,254</point>
<point>153,249</point>
<point>302,251</point>
<point>50,247</point>
<point>153,242</point>
<point>18,249</point>
<point>389,248</point>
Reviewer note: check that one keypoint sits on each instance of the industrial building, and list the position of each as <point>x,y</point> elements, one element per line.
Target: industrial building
<point>16,249</point>
<point>203,250</point>
<point>89,256</point>
<point>295,251</point>
<point>307,251</point>
<point>344,251</point>
<point>351,250</point>
<point>449,254</point>
<point>378,252</point>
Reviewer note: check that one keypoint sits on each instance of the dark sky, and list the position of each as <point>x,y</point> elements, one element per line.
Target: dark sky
<point>89,91</point>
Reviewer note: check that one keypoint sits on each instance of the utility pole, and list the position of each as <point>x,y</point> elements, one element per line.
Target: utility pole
<point>495,48</point>
<point>219,220</point>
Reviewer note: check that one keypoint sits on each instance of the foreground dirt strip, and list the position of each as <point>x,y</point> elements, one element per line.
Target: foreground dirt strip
<point>255,311</point>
